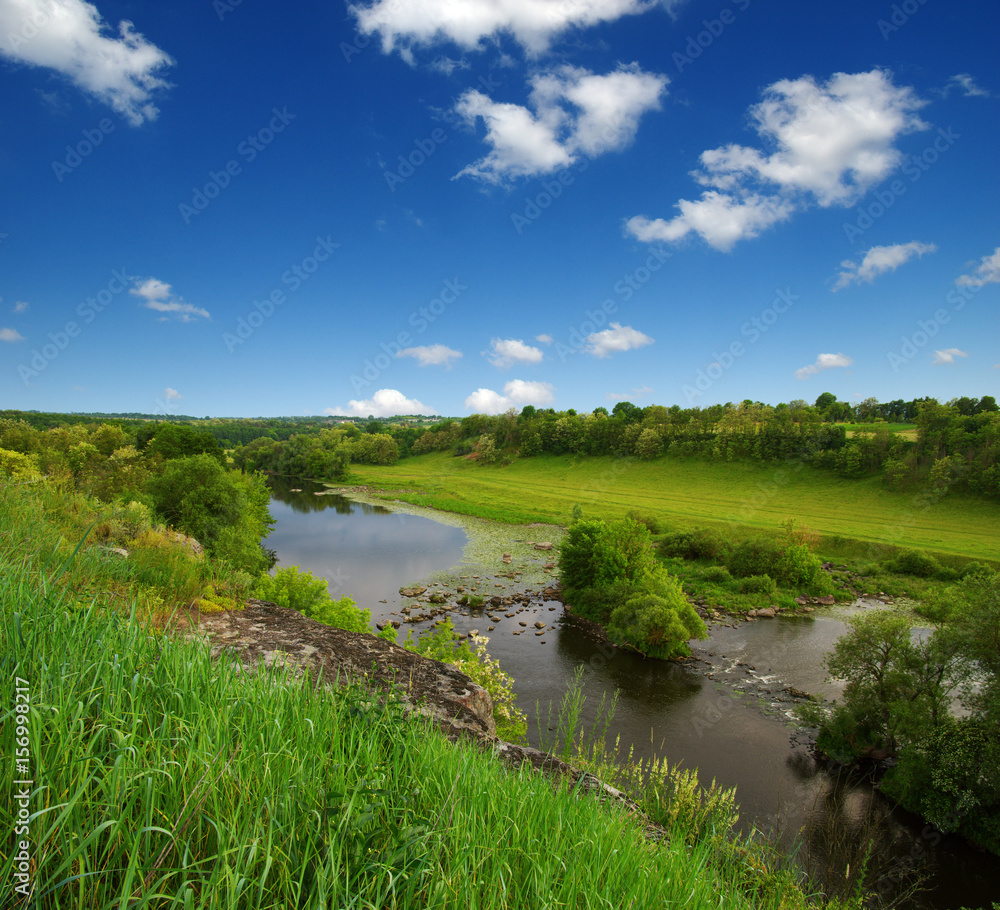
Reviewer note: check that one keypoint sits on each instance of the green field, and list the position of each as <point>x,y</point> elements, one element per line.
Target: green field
<point>688,492</point>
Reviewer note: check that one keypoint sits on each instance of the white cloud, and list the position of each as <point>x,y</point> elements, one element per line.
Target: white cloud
<point>431,354</point>
<point>987,272</point>
<point>827,144</point>
<point>170,394</point>
<point>615,339</point>
<point>384,403</point>
<point>718,218</point>
<point>20,306</point>
<point>10,335</point>
<point>505,352</point>
<point>544,339</point>
<point>71,38</point>
<point>572,112</point>
<point>159,296</point>
<point>405,25</point>
<point>948,355</point>
<point>967,84</point>
<point>516,393</point>
<point>879,260</point>
<point>823,362</point>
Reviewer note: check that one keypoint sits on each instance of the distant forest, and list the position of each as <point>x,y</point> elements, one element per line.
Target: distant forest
<point>917,444</point>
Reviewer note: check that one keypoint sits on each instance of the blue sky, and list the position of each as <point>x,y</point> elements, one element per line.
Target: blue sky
<point>245,208</point>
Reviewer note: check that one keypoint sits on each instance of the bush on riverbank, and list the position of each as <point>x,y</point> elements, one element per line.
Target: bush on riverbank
<point>609,574</point>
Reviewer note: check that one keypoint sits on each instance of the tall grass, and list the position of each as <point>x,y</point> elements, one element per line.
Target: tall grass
<point>164,780</point>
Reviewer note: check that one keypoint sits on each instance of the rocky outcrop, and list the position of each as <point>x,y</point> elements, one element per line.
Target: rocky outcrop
<point>266,635</point>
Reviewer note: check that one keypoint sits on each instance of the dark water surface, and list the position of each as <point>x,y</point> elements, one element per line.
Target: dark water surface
<point>724,713</point>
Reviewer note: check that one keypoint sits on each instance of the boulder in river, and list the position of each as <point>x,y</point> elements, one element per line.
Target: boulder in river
<point>412,592</point>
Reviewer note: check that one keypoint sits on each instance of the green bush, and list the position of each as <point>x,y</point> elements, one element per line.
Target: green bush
<point>757,584</point>
<point>658,622</point>
<point>754,556</point>
<point>701,543</point>
<point>913,562</point>
<point>800,567</point>
<point>289,587</point>
<point>717,575</point>
<point>443,643</point>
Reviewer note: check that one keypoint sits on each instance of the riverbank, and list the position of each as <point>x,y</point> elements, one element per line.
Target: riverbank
<point>288,794</point>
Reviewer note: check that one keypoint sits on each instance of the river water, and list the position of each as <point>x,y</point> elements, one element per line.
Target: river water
<point>726,713</point>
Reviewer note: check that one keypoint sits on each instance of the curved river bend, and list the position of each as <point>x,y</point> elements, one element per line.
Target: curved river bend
<point>725,713</point>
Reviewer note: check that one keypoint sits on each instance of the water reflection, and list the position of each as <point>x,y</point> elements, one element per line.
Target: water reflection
<point>364,551</point>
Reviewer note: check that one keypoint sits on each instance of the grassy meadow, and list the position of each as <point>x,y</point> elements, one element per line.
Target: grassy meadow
<point>854,517</point>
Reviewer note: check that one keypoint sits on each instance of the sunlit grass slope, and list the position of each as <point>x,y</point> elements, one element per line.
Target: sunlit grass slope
<point>691,492</point>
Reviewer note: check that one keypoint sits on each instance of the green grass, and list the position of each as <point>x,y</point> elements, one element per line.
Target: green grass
<point>164,780</point>
<point>688,492</point>
<point>905,430</point>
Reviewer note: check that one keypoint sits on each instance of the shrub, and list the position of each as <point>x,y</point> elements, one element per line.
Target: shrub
<point>701,543</point>
<point>799,567</point>
<point>18,466</point>
<point>717,575</point>
<point>443,643</point>
<point>754,556</point>
<point>651,523</point>
<point>657,622</point>
<point>757,584</point>
<point>913,562</point>
<point>300,591</point>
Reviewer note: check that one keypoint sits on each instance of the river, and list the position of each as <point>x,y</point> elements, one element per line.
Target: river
<point>726,713</point>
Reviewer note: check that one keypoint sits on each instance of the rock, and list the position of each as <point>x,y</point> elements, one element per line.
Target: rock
<point>264,635</point>
<point>507,558</point>
<point>766,613</point>
<point>802,601</point>
<point>796,693</point>
<point>437,598</point>
<point>412,592</point>
<point>539,625</point>
<point>827,600</point>
<point>543,546</point>
<point>522,624</point>
<point>188,542</point>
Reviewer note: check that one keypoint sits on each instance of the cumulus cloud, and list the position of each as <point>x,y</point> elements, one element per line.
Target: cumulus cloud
<point>615,339</point>
<point>406,25</point>
<point>879,260</point>
<point>20,306</point>
<point>823,362</point>
<point>170,394</point>
<point>516,394</point>
<point>159,296</point>
<point>431,354</point>
<point>987,272</point>
<point>70,37</point>
<point>544,338</point>
<point>10,335</point>
<point>824,144</point>
<point>571,112</point>
<point>384,403</point>
<point>505,352</point>
<point>948,355</point>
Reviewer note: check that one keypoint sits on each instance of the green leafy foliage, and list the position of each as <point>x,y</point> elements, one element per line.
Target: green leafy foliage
<point>445,644</point>
<point>300,590</point>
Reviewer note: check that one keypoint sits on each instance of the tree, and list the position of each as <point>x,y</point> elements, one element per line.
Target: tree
<point>627,411</point>
<point>825,400</point>
<point>224,510</point>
